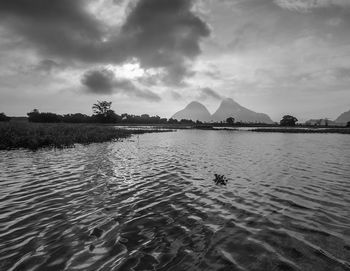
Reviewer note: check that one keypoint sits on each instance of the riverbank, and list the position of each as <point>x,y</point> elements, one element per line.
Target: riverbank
<point>38,135</point>
<point>303,130</point>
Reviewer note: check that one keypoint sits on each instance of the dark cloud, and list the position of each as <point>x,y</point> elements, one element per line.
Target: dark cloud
<point>165,33</point>
<point>103,81</point>
<point>209,93</point>
<point>99,81</point>
<point>159,33</point>
<point>59,27</point>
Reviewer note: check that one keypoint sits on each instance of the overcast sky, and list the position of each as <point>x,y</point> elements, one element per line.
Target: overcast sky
<point>155,56</point>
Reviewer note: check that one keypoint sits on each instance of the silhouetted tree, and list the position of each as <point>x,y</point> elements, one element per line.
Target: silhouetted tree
<point>348,124</point>
<point>230,120</point>
<point>185,121</point>
<point>288,120</point>
<point>103,113</point>
<point>76,118</point>
<point>3,117</point>
<point>172,121</point>
<point>36,116</point>
<point>101,108</point>
<point>33,116</point>
<point>108,117</point>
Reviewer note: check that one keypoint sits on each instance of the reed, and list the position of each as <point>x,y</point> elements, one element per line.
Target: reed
<point>34,135</point>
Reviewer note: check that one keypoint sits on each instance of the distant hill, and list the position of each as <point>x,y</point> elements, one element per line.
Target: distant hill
<point>193,111</point>
<point>343,118</point>
<point>230,108</point>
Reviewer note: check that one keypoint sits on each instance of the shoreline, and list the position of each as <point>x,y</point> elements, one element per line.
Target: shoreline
<point>34,136</point>
<point>301,130</point>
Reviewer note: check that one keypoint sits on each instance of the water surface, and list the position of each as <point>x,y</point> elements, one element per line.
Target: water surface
<point>286,205</point>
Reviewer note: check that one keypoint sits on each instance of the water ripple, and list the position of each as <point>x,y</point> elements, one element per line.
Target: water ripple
<point>150,204</point>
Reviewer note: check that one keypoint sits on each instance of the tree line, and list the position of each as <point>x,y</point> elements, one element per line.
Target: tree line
<point>102,113</point>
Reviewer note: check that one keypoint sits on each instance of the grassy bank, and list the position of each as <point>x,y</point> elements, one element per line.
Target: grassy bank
<point>35,135</point>
<point>303,131</point>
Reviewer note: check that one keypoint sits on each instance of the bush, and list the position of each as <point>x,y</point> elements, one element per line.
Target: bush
<point>76,118</point>
<point>4,118</point>
<point>36,116</point>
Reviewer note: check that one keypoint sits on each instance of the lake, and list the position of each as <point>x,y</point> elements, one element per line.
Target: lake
<point>149,203</point>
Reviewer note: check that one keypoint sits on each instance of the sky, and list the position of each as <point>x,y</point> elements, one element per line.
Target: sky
<point>155,56</point>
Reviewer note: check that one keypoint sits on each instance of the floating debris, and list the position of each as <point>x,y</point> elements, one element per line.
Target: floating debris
<point>220,179</point>
<point>96,232</point>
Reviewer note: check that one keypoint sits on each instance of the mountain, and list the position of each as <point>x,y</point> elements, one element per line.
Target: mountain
<point>193,111</point>
<point>343,118</point>
<point>229,108</point>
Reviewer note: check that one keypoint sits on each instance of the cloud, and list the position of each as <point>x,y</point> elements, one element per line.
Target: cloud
<point>59,27</point>
<point>342,72</point>
<point>158,33</point>
<point>165,34</point>
<point>48,66</point>
<point>213,73</point>
<point>209,93</point>
<point>99,81</point>
<point>175,95</point>
<point>307,5</point>
<point>103,81</point>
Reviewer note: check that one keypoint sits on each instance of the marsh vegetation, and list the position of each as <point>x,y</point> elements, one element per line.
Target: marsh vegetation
<point>15,135</point>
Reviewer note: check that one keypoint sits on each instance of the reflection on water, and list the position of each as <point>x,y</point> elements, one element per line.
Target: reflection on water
<point>286,205</point>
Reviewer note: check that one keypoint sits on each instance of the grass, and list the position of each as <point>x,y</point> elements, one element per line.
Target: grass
<point>304,131</point>
<point>36,135</point>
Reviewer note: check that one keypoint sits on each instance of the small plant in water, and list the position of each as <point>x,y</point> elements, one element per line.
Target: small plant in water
<point>220,179</point>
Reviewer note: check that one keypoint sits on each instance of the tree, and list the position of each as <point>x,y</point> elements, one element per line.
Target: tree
<point>33,116</point>
<point>172,121</point>
<point>103,113</point>
<point>348,124</point>
<point>288,120</point>
<point>186,121</point>
<point>3,117</point>
<point>76,118</point>
<point>230,120</point>
<point>102,108</point>
<point>36,116</point>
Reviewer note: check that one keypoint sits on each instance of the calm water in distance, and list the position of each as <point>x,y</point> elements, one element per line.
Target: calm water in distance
<point>286,205</point>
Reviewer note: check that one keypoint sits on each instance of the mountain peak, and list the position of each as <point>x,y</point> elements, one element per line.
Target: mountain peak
<point>229,101</point>
<point>344,117</point>
<point>230,108</point>
<point>195,104</point>
<point>193,111</point>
